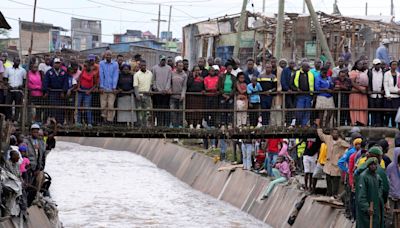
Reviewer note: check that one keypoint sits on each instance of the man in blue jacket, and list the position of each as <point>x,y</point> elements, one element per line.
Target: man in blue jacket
<point>290,99</point>
<point>55,84</point>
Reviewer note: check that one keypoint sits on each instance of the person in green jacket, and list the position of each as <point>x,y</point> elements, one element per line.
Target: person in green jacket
<point>376,152</point>
<point>370,197</point>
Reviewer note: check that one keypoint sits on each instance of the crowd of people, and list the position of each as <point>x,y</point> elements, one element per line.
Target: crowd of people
<point>22,169</point>
<point>357,171</point>
<point>255,93</point>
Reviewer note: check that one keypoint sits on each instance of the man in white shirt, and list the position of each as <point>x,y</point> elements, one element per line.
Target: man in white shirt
<point>375,77</point>
<point>15,77</point>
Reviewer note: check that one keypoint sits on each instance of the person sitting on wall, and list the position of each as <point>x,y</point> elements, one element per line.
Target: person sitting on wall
<point>281,173</point>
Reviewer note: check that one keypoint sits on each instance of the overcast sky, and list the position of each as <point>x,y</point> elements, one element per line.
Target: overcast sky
<point>119,15</point>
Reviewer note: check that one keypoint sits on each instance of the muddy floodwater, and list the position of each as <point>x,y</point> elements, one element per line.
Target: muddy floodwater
<point>102,188</point>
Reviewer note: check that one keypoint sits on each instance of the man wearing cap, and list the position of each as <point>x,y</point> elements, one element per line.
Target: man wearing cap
<point>109,74</point>
<point>346,55</point>
<point>375,86</point>
<point>36,154</point>
<point>55,85</point>
<point>15,76</point>
<point>370,199</point>
<point>373,152</point>
<point>382,52</point>
<point>162,74</point>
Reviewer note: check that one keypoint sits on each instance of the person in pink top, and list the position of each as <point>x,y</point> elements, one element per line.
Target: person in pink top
<point>23,167</point>
<point>35,90</point>
<point>281,173</point>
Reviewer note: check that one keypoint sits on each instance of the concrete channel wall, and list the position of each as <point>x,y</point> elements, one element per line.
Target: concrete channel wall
<point>239,188</point>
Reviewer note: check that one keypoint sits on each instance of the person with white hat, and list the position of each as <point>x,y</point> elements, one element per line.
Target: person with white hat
<point>36,153</point>
<point>55,84</point>
<point>375,86</point>
<point>382,52</point>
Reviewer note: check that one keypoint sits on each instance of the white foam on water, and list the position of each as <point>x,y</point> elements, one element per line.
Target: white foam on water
<point>95,187</point>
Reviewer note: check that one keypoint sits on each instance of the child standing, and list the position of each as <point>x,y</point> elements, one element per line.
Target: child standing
<point>23,167</point>
<point>253,89</point>
<point>241,102</point>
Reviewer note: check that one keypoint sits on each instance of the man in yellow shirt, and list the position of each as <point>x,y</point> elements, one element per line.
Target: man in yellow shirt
<point>142,82</point>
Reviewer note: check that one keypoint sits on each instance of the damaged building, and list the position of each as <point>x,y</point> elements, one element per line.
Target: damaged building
<point>216,37</point>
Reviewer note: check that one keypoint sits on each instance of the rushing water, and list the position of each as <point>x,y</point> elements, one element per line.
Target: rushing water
<point>101,188</point>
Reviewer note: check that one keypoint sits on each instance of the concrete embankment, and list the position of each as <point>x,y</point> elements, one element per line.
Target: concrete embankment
<point>239,188</point>
<point>36,218</point>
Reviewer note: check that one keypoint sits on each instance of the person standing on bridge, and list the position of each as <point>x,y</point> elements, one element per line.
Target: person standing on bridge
<point>55,85</point>
<point>109,74</point>
<point>392,97</point>
<point>179,85</point>
<point>15,76</point>
<point>375,86</point>
<point>162,74</point>
<point>358,98</point>
<point>303,82</point>
<point>142,82</point>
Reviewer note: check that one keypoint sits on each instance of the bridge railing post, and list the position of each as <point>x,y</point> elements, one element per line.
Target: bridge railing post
<point>184,123</point>
<point>76,107</point>
<point>132,109</point>
<point>234,112</point>
<point>283,109</point>
<point>339,108</point>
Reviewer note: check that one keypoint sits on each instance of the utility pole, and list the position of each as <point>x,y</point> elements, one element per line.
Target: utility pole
<point>279,30</point>
<point>169,18</point>
<point>240,29</point>
<point>366,8</point>
<point>304,6</point>
<point>263,6</point>
<point>159,21</point>
<point>391,8</point>
<point>320,33</point>
<point>24,116</point>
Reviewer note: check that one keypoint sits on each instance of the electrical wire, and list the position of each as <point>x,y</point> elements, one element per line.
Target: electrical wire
<point>131,10</point>
<point>78,15</point>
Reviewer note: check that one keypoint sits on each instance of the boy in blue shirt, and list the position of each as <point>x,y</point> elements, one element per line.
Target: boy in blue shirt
<point>253,90</point>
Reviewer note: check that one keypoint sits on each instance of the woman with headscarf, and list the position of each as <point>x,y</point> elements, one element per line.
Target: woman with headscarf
<point>125,97</point>
<point>358,98</point>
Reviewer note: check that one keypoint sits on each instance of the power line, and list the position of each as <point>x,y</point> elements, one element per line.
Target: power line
<point>137,11</point>
<point>103,34</point>
<point>78,15</point>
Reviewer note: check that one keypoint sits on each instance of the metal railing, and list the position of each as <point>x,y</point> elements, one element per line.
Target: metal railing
<point>207,110</point>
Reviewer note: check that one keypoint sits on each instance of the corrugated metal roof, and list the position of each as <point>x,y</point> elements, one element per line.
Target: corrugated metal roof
<point>3,22</point>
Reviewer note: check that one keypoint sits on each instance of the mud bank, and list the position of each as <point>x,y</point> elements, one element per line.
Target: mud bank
<point>239,188</point>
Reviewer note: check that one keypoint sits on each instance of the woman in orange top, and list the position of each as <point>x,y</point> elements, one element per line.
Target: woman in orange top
<point>358,99</point>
